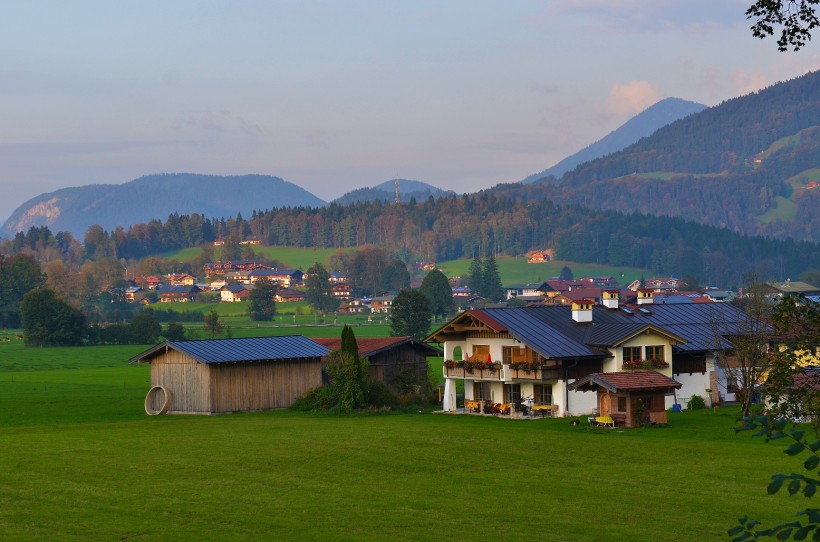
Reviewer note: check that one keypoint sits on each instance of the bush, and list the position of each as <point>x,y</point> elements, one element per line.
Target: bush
<point>696,402</point>
<point>379,395</point>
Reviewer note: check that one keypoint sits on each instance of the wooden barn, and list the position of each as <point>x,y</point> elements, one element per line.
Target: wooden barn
<point>398,362</point>
<point>625,395</point>
<point>231,375</point>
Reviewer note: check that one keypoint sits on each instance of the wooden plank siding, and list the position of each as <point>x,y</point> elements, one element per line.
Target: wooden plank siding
<point>198,388</point>
<point>185,379</point>
<point>261,386</point>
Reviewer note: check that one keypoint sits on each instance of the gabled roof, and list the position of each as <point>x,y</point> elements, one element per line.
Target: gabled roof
<point>626,381</point>
<point>179,290</point>
<point>240,350</point>
<point>551,331</point>
<point>369,346</point>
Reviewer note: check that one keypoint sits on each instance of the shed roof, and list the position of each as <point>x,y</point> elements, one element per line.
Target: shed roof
<point>626,381</point>
<point>239,350</point>
<point>369,346</point>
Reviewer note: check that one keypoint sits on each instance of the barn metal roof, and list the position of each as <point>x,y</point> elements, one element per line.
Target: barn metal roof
<point>240,350</point>
<point>369,346</point>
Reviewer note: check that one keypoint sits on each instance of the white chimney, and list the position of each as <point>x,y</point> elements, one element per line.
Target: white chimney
<point>610,299</point>
<point>645,296</point>
<point>582,310</point>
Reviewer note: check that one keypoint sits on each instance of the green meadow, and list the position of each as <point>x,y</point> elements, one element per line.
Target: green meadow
<point>81,461</point>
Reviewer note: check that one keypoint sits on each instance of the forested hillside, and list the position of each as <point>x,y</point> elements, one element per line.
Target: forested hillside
<point>507,220</point>
<point>727,166</point>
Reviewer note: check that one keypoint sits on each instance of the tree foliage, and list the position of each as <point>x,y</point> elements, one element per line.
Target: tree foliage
<point>145,329</point>
<point>262,301</point>
<point>47,320</point>
<point>436,288</point>
<point>411,315</point>
<point>747,361</point>
<point>212,324</point>
<point>318,290</point>
<point>808,519</point>
<point>795,19</point>
<point>349,374</point>
<point>19,274</point>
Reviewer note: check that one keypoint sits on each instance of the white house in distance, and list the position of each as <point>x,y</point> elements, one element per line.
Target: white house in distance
<point>508,355</point>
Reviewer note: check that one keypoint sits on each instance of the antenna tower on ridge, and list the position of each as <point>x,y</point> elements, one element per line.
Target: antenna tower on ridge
<point>398,200</point>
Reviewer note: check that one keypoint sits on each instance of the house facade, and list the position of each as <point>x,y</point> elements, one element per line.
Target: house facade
<point>510,355</point>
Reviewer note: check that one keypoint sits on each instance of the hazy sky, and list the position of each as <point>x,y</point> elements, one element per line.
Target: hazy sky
<point>336,95</point>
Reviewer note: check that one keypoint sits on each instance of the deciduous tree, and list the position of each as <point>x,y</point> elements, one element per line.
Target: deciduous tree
<point>262,302</point>
<point>411,315</point>
<point>436,288</point>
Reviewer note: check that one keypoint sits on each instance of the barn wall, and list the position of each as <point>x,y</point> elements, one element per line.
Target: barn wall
<point>407,365</point>
<point>185,379</point>
<point>261,386</point>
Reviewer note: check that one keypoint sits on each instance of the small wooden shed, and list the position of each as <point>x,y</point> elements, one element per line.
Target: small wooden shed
<point>398,362</point>
<point>623,395</point>
<point>231,375</point>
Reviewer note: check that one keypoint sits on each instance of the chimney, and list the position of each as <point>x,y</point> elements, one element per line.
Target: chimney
<point>610,299</point>
<point>582,310</point>
<point>645,296</point>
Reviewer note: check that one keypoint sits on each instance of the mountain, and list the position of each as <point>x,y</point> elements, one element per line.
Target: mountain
<point>641,125</point>
<point>750,164</point>
<point>155,197</point>
<point>387,192</point>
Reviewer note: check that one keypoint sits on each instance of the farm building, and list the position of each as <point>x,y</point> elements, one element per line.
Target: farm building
<point>231,375</point>
<point>398,362</point>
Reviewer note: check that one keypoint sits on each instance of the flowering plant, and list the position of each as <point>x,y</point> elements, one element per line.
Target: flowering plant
<point>527,366</point>
<point>472,366</point>
<point>451,364</point>
<point>645,364</point>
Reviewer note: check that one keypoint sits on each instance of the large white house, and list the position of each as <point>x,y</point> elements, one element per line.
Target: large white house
<point>507,356</point>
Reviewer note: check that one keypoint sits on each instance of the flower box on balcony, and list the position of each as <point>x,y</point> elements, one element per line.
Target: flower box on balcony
<point>645,364</point>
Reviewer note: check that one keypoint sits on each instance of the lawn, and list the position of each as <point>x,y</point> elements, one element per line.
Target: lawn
<point>81,461</point>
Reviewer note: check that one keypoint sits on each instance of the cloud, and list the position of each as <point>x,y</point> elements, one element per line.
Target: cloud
<point>626,100</point>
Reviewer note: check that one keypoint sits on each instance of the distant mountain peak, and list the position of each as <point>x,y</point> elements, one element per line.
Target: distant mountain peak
<point>156,196</point>
<point>641,125</point>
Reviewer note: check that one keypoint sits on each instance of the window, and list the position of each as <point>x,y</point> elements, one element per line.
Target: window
<point>621,404</point>
<point>510,354</point>
<point>655,352</point>
<point>632,353</point>
<point>481,391</point>
<point>542,394</point>
<point>512,393</point>
<point>481,352</point>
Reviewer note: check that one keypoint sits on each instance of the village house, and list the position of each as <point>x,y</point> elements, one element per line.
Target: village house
<point>288,295</point>
<point>354,306</point>
<point>178,294</point>
<point>342,291</point>
<point>529,292</point>
<point>235,292</point>
<point>515,356</point>
<point>382,304</point>
<point>230,375</point>
<point>180,279</point>
<point>286,278</point>
<point>220,268</point>
<point>337,277</point>
<point>790,287</point>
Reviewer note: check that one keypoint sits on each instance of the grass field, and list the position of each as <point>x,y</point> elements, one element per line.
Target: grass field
<point>516,270</point>
<point>81,461</point>
<point>513,269</point>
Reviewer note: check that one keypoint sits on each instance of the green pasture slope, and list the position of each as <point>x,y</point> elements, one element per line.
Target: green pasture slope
<point>513,269</point>
<point>81,461</point>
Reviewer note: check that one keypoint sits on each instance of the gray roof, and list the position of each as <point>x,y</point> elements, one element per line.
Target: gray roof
<point>241,350</point>
<point>551,331</point>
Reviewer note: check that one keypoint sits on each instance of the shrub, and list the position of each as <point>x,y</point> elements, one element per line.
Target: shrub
<point>696,402</point>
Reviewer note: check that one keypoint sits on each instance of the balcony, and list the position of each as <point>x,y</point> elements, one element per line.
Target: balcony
<point>532,372</point>
<point>475,370</point>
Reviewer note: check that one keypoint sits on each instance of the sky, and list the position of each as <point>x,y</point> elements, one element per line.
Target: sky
<point>334,95</point>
